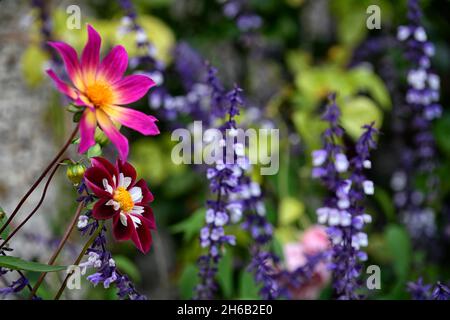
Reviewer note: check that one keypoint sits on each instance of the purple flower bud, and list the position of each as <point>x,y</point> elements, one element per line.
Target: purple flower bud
<point>319,157</point>
<point>341,163</point>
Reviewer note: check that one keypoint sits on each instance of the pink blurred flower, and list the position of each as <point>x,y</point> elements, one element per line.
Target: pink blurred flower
<point>101,88</point>
<point>313,241</point>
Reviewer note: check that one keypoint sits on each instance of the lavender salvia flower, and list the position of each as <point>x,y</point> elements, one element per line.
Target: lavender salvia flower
<point>248,22</point>
<point>19,284</point>
<point>422,98</point>
<point>247,195</point>
<point>99,258</point>
<point>291,282</point>
<point>130,24</point>
<point>188,64</point>
<point>263,263</point>
<point>225,182</point>
<point>422,291</point>
<point>15,287</point>
<point>441,292</point>
<point>218,96</point>
<point>46,27</point>
<point>147,59</point>
<point>419,290</point>
<point>344,210</point>
<point>106,272</point>
<point>262,266</point>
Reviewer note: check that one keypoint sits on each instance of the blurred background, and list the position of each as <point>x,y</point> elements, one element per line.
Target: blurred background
<point>287,55</point>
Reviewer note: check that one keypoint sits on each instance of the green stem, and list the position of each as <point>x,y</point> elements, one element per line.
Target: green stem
<point>80,257</point>
<point>59,248</point>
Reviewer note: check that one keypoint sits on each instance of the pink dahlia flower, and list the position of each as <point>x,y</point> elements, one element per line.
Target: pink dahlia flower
<point>100,87</point>
<point>123,199</point>
<point>313,241</point>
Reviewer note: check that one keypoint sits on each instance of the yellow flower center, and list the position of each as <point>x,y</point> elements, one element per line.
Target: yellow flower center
<point>123,197</point>
<point>100,94</point>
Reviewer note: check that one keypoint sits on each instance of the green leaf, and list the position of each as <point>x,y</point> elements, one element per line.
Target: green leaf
<point>3,219</point>
<point>142,151</point>
<point>16,263</point>
<point>124,264</point>
<point>73,108</point>
<point>442,132</point>
<point>94,151</point>
<point>352,29</point>
<point>385,202</point>
<point>100,137</point>
<point>247,287</point>
<point>225,274</point>
<point>190,226</point>
<point>188,281</point>
<point>310,127</point>
<point>399,247</point>
<point>365,79</point>
<point>290,210</point>
<point>277,247</point>
<point>357,112</point>
<point>77,117</point>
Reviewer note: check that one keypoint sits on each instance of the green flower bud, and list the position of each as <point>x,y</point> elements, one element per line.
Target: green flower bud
<point>77,117</point>
<point>100,137</point>
<point>75,173</point>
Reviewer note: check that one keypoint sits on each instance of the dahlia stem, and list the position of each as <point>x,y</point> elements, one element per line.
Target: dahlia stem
<point>41,177</point>
<point>41,200</point>
<point>61,245</point>
<point>80,257</point>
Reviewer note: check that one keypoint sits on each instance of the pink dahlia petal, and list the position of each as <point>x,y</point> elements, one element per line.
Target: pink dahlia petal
<point>70,59</point>
<point>84,101</point>
<point>128,171</point>
<point>113,134</point>
<point>142,237</point>
<point>102,211</point>
<point>113,65</point>
<point>131,88</point>
<point>101,162</point>
<point>88,123</point>
<point>94,177</point>
<point>146,194</point>
<point>90,57</point>
<point>62,86</point>
<point>120,231</point>
<point>133,119</point>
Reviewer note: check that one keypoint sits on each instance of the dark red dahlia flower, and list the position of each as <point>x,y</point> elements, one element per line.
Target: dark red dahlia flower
<point>123,199</point>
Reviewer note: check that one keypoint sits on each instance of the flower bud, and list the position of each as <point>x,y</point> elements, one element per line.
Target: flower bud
<point>100,137</point>
<point>75,173</point>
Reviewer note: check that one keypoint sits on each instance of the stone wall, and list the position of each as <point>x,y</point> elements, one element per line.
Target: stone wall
<point>25,140</point>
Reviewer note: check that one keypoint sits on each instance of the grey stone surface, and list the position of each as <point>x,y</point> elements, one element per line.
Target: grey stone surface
<point>25,141</point>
